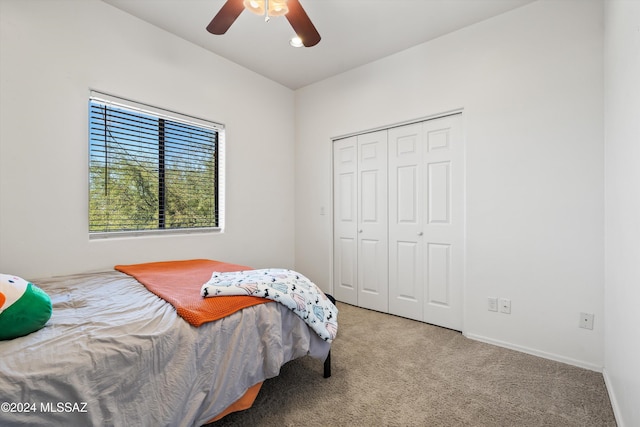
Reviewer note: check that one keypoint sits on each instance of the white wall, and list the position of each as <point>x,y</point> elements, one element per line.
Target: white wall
<point>622,208</point>
<point>52,53</point>
<point>531,85</point>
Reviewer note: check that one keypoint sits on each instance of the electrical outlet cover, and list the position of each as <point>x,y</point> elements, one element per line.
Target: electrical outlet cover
<point>586,320</point>
<point>505,305</point>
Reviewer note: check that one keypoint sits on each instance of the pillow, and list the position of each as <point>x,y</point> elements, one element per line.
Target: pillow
<point>24,307</point>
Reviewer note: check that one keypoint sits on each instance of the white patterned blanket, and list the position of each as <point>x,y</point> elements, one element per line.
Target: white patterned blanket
<point>287,287</point>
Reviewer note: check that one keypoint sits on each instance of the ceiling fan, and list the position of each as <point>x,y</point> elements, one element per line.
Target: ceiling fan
<point>291,9</point>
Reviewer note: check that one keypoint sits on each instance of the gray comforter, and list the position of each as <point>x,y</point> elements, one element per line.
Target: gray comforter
<point>115,354</point>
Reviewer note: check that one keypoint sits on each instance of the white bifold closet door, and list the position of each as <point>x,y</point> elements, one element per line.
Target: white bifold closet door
<point>361,220</point>
<point>426,221</point>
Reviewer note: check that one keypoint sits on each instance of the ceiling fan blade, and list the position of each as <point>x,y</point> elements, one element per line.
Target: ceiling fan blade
<point>225,17</point>
<point>301,24</point>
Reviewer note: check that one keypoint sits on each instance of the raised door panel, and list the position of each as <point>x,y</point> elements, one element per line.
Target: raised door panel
<point>345,219</point>
<point>372,221</point>
<point>405,222</point>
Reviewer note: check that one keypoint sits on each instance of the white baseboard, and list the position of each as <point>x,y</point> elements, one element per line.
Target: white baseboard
<point>612,398</point>
<point>533,352</point>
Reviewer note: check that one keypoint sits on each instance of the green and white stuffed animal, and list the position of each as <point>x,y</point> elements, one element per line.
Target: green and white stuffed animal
<point>24,307</point>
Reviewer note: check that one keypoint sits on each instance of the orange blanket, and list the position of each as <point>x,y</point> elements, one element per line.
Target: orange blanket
<point>179,283</point>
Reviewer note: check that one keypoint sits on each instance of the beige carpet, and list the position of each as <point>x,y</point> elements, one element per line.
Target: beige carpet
<point>391,371</point>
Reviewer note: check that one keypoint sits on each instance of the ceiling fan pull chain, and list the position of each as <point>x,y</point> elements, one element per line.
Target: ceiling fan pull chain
<point>266,10</point>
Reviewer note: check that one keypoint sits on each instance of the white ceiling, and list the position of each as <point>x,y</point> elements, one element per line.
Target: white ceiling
<point>354,32</point>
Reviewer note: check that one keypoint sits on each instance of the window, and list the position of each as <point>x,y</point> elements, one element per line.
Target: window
<point>152,170</point>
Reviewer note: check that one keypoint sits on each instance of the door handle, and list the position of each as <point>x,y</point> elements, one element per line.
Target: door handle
<point>420,233</point>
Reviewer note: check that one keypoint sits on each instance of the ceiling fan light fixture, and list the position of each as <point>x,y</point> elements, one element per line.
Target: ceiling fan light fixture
<point>254,6</point>
<point>278,7</point>
<point>296,42</point>
<point>272,7</point>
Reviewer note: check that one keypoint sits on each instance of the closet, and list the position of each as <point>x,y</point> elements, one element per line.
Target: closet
<point>398,213</point>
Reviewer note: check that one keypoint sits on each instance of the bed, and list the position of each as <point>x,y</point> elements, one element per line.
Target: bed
<point>114,353</point>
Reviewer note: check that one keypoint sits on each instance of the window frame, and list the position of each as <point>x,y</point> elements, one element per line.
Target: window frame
<point>161,114</point>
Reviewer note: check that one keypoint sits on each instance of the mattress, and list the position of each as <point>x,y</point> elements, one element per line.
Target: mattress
<point>113,353</point>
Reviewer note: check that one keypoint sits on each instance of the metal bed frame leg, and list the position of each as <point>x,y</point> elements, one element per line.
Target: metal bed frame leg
<point>327,362</point>
<point>327,365</point>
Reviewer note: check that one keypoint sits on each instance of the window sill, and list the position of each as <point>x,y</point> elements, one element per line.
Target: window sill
<point>144,233</point>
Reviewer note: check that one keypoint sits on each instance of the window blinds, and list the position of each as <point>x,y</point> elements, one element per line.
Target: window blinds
<point>150,169</point>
